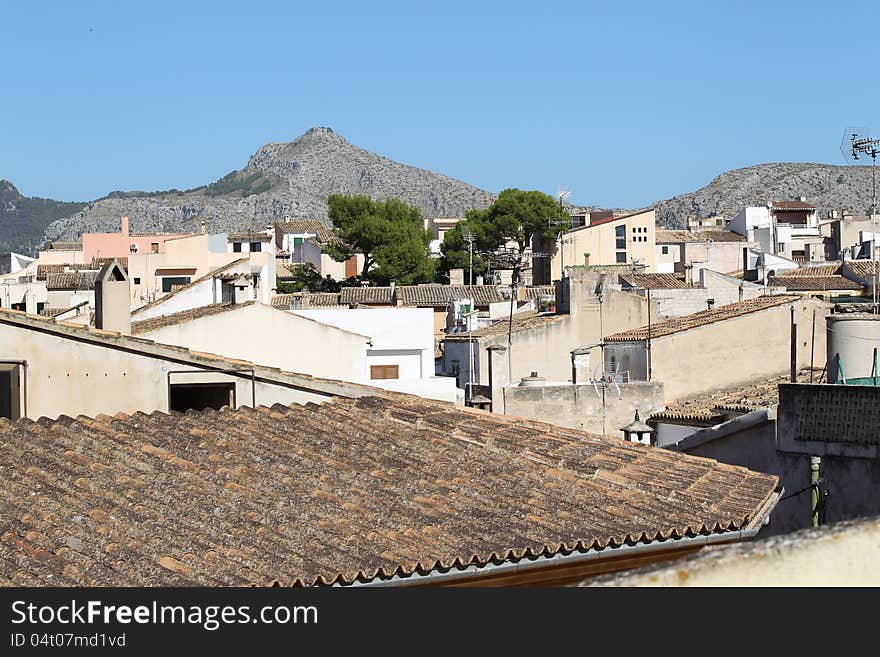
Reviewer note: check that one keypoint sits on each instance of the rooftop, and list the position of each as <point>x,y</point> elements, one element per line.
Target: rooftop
<point>655,281</point>
<point>665,236</point>
<point>248,236</point>
<point>211,274</point>
<point>315,299</point>
<point>66,246</point>
<point>792,205</point>
<point>146,325</point>
<point>305,227</point>
<point>443,295</point>
<point>809,283</point>
<point>374,295</point>
<point>521,322</point>
<point>861,268</point>
<point>703,318</point>
<point>610,219</point>
<point>370,489</point>
<point>71,280</point>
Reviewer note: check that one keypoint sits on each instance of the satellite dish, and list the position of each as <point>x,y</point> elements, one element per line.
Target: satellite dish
<point>133,247</point>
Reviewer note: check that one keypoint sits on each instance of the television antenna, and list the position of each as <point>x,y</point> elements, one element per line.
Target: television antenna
<point>861,143</point>
<point>562,193</point>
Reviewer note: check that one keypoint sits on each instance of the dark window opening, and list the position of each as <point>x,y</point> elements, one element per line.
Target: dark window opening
<point>621,242</point>
<point>621,256</point>
<point>168,281</point>
<point>10,391</point>
<point>620,231</point>
<point>665,250</point>
<point>236,247</point>
<point>256,246</point>
<point>19,306</point>
<point>40,306</point>
<point>154,247</point>
<point>199,396</point>
<point>137,281</point>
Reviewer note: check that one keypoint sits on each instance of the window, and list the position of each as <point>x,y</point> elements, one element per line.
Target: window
<point>168,281</point>
<point>621,256</point>
<point>297,241</point>
<point>154,247</point>
<point>10,390</point>
<point>198,396</point>
<point>236,247</point>
<point>635,230</point>
<point>40,306</point>
<point>384,372</point>
<point>665,250</point>
<point>136,280</point>
<point>456,367</point>
<point>620,231</point>
<point>780,247</point>
<point>256,246</point>
<point>621,242</point>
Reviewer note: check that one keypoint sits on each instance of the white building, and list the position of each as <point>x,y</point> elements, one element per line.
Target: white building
<point>785,228</point>
<point>401,347</point>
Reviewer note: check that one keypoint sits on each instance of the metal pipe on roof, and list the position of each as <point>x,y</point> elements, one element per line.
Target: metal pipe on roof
<point>525,564</point>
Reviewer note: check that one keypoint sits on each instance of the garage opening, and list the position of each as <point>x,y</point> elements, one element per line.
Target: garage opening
<point>199,396</point>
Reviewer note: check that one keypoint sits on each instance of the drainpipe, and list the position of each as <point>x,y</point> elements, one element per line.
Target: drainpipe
<point>815,464</point>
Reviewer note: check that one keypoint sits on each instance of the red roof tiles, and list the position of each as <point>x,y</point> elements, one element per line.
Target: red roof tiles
<point>350,490</point>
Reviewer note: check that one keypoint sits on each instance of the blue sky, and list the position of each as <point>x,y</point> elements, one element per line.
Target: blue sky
<point>624,103</point>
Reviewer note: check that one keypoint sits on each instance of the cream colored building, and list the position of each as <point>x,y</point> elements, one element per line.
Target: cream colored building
<point>719,348</point>
<point>607,240</point>
<point>263,334</point>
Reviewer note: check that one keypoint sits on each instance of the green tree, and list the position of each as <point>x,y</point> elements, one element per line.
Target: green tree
<point>514,219</point>
<point>306,276</point>
<point>390,234</point>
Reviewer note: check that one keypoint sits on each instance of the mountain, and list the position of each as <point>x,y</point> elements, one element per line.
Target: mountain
<point>23,220</point>
<point>291,179</point>
<point>826,186</point>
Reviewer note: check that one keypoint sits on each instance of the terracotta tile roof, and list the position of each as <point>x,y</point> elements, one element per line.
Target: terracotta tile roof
<point>66,246</point>
<point>535,291</point>
<point>654,281</point>
<point>372,295</point>
<point>761,393</point>
<point>72,280</point>
<point>720,235</point>
<point>792,205</point>
<point>665,236</point>
<point>51,312</point>
<point>98,263</point>
<point>521,322</point>
<point>305,226</point>
<point>816,270</point>
<point>215,273</point>
<point>443,295</point>
<point>44,270</point>
<point>810,283</point>
<point>861,268</point>
<point>362,489</point>
<point>315,299</point>
<point>248,236</point>
<point>670,326</point>
<point>146,325</point>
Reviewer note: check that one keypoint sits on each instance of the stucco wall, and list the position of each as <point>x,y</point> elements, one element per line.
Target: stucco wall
<point>730,352</point>
<point>75,377</point>
<point>273,338</point>
<point>581,406</point>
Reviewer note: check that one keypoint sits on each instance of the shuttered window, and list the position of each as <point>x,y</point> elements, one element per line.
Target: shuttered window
<point>384,371</point>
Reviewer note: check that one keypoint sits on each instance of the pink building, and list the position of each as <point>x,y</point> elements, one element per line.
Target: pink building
<point>123,243</point>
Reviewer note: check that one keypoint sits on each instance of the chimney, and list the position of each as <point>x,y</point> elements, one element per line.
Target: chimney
<point>586,260</point>
<point>113,298</point>
<point>124,223</point>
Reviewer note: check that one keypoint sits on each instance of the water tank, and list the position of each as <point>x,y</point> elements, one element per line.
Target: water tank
<point>852,339</point>
<point>533,380</point>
